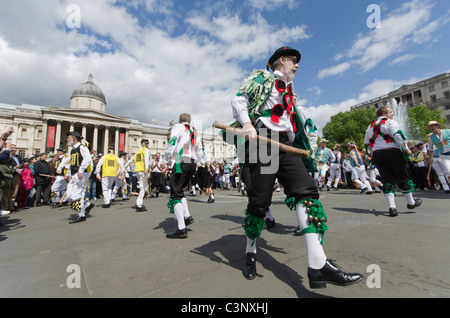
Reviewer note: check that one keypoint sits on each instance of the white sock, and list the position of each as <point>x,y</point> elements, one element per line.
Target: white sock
<point>409,198</point>
<point>316,254</point>
<point>359,183</point>
<point>249,248</point>
<point>369,187</point>
<point>390,198</point>
<point>185,208</point>
<point>179,213</point>
<point>269,215</point>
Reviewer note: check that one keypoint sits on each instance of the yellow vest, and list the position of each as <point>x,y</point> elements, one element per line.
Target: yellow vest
<point>139,160</point>
<point>110,166</point>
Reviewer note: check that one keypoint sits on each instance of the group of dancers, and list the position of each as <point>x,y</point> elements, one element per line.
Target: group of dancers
<point>266,103</point>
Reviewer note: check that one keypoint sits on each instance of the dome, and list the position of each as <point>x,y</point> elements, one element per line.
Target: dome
<point>89,89</point>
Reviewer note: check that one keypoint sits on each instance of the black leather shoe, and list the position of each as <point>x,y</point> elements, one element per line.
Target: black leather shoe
<point>106,206</point>
<point>78,220</point>
<point>393,212</point>
<point>89,208</point>
<point>331,274</point>
<point>188,220</point>
<point>270,223</point>
<point>417,203</point>
<point>249,270</point>
<point>178,234</point>
<point>364,190</point>
<point>141,209</point>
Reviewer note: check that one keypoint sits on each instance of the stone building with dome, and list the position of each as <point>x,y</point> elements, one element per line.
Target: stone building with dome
<point>43,128</point>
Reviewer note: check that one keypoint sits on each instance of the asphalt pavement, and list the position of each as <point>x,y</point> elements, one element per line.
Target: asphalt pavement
<point>121,253</point>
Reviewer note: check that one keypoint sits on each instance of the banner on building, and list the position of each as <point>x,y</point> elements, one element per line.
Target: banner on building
<point>121,142</point>
<point>51,136</point>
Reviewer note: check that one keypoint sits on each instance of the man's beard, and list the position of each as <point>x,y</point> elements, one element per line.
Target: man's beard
<point>70,143</point>
<point>289,73</point>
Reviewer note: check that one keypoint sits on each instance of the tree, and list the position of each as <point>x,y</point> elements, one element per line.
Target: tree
<point>419,117</point>
<point>349,126</point>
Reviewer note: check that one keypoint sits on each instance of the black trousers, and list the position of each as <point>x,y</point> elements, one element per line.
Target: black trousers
<point>203,177</point>
<point>290,171</point>
<point>155,180</point>
<point>392,167</point>
<point>178,181</point>
<point>43,193</point>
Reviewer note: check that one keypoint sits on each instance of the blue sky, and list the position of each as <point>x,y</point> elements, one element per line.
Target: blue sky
<point>154,59</point>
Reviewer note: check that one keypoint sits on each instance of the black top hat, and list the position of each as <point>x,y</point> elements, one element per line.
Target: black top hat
<point>284,51</point>
<point>144,141</point>
<point>60,149</point>
<point>76,134</point>
<point>111,148</point>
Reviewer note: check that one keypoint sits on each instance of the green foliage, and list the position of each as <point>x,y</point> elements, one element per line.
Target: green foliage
<point>349,126</point>
<point>419,117</point>
<point>352,125</point>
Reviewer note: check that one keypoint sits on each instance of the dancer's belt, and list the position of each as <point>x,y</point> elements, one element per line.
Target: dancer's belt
<point>283,136</point>
<point>393,148</point>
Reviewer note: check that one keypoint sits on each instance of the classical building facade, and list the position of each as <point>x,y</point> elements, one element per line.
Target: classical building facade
<point>43,128</point>
<point>434,92</point>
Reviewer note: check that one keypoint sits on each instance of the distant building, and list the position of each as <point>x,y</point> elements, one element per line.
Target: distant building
<point>434,92</point>
<point>43,128</point>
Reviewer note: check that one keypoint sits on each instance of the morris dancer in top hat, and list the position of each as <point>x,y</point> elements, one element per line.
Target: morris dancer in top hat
<point>266,103</point>
<point>141,162</point>
<point>440,139</point>
<point>80,169</point>
<point>385,139</point>
<point>186,144</point>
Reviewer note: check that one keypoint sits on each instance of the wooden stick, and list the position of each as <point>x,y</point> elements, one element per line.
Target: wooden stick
<point>63,197</point>
<point>46,175</point>
<point>292,150</point>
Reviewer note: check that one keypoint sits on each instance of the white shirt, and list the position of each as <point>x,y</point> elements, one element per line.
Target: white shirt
<point>391,127</point>
<point>180,136</point>
<point>240,106</point>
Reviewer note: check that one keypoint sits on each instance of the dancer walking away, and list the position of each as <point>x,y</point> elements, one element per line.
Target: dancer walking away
<point>388,144</point>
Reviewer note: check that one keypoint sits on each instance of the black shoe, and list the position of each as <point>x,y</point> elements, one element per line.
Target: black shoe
<point>363,190</point>
<point>188,220</point>
<point>106,206</point>
<point>178,234</point>
<point>89,208</point>
<point>331,274</point>
<point>141,209</point>
<point>328,188</point>
<point>417,203</point>
<point>249,270</point>
<point>393,212</point>
<point>125,199</point>
<point>270,223</point>
<point>78,220</point>
<point>297,231</point>
<point>369,192</point>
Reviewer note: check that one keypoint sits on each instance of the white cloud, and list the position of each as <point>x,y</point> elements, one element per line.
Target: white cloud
<point>144,71</point>
<point>404,58</point>
<point>321,114</point>
<point>334,70</point>
<point>401,30</point>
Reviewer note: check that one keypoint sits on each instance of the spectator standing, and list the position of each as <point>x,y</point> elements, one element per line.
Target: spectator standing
<point>43,180</point>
